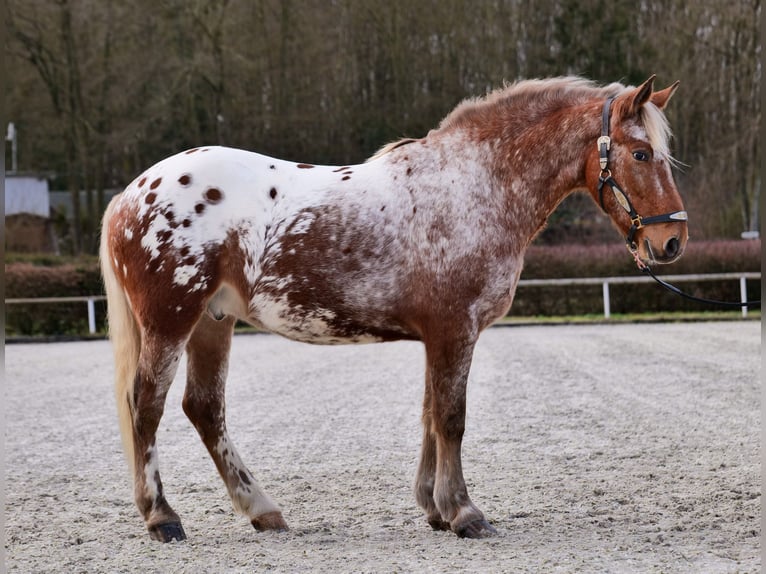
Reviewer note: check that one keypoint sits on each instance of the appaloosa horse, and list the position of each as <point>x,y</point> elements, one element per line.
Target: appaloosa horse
<point>424,241</point>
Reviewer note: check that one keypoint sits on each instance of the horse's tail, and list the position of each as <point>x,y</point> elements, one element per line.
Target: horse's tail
<point>126,340</point>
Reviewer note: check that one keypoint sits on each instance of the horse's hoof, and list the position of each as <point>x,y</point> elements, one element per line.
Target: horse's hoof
<point>476,529</point>
<point>167,532</point>
<point>438,524</point>
<point>270,521</point>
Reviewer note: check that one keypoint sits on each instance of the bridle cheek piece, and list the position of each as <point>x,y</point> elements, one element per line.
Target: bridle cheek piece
<point>605,178</point>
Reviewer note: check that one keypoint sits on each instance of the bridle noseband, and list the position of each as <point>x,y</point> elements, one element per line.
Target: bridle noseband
<point>605,178</point>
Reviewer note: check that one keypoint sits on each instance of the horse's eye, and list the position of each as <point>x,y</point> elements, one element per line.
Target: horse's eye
<point>641,155</point>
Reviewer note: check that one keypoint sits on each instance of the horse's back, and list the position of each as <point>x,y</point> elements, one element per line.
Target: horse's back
<point>235,232</point>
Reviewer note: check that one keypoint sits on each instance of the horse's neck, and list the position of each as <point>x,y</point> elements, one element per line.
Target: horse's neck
<point>541,165</point>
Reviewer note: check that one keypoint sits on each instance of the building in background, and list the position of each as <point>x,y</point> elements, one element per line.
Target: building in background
<point>28,226</point>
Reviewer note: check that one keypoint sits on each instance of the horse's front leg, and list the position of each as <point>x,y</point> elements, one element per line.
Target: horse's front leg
<point>440,487</point>
<point>424,483</point>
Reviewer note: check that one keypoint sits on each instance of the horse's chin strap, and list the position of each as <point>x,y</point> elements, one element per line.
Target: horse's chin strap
<point>605,178</point>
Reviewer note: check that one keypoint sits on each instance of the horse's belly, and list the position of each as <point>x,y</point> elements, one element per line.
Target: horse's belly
<point>310,324</point>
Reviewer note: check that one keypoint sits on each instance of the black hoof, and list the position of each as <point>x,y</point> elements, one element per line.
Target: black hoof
<point>167,532</point>
<point>476,529</point>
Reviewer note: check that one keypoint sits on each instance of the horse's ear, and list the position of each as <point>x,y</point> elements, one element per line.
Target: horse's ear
<point>661,98</point>
<point>637,98</point>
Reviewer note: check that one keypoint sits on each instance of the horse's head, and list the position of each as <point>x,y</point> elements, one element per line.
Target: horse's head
<point>629,174</point>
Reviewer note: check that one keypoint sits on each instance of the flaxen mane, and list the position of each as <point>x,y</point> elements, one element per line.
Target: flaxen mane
<point>530,95</point>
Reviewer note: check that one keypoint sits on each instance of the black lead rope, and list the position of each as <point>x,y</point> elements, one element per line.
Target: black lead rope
<point>677,291</point>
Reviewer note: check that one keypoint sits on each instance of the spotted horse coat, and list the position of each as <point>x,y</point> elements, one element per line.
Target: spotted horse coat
<point>424,241</point>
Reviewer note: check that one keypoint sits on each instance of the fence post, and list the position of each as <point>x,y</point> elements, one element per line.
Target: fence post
<point>91,316</point>
<point>605,290</point>
<point>743,294</point>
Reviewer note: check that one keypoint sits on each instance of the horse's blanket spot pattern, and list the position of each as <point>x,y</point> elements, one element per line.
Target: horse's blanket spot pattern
<point>424,241</point>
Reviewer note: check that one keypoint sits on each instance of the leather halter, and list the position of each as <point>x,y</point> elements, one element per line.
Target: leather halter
<point>605,178</point>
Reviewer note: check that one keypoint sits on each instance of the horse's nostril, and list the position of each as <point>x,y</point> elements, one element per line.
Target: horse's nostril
<point>671,247</point>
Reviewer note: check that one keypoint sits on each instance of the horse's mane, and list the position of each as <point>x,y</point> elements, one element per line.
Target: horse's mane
<point>542,94</point>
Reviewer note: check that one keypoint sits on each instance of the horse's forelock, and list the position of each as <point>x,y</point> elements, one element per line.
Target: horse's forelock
<point>657,129</point>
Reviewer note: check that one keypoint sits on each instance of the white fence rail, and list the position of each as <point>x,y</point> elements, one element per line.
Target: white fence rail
<point>89,300</point>
<point>605,282</point>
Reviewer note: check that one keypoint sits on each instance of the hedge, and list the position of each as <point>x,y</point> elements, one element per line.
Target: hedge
<point>27,280</point>
<point>615,261</point>
<point>45,277</point>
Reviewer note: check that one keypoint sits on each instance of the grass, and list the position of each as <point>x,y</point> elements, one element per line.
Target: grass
<point>50,259</point>
<point>659,317</point>
<point>594,319</point>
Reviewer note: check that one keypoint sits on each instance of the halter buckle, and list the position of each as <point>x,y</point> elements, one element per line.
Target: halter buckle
<point>636,221</point>
<point>603,143</point>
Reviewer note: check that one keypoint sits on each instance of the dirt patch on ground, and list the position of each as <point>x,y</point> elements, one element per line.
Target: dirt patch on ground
<point>624,448</point>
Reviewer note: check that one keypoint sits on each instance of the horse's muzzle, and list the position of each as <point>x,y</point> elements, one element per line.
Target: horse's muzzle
<point>671,250</point>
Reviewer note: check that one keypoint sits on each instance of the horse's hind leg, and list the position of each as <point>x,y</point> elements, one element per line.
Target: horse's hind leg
<point>157,366</point>
<point>204,404</point>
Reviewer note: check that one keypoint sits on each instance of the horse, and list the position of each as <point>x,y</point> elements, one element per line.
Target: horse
<point>424,241</point>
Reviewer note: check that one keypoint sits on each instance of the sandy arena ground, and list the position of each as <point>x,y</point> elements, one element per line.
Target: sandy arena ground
<point>617,448</point>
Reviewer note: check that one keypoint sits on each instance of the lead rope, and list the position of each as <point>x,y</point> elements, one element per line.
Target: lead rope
<point>673,289</point>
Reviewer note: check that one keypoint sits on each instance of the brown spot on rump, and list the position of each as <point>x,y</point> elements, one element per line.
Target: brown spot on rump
<point>164,235</point>
<point>169,215</point>
<point>272,166</point>
<point>304,166</point>
<point>185,180</point>
<point>345,177</point>
<point>383,208</point>
<point>186,222</point>
<point>273,193</point>
<point>409,171</point>
<point>184,251</point>
<point>191,151</point>
<point>340,169</point>
<point>199,208</point>
<point>150,197</point>
<point>213,195</point>
<point>244,477</point>
<point>142,182</point>
<point>191,260</point>
<point>156,183</point>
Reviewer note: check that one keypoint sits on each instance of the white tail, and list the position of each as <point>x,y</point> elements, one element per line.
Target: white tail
<point>126,341</point>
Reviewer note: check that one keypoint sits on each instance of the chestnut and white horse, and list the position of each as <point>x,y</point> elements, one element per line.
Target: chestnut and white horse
<point>424,241</point>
